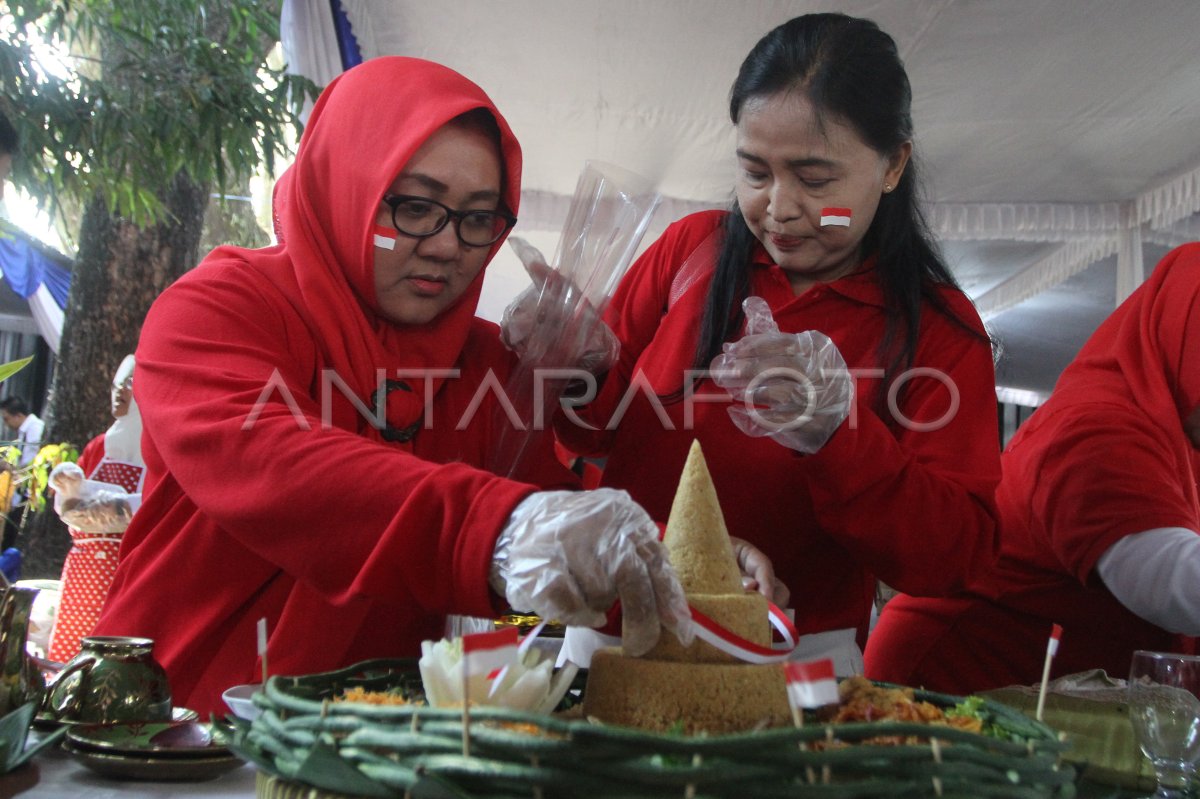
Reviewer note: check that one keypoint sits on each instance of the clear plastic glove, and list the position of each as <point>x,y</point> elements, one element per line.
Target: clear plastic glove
<point>552,324</point>
<point>793,387</point>
<point>90,505</point>
<point>569,555</point>
<point>67,479</point>
<point>758,574</point>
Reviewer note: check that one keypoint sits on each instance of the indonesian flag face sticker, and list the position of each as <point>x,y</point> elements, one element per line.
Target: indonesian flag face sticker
<point>835,217</point>
<point>385,237</point>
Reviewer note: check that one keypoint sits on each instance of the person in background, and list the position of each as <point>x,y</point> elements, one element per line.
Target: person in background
<point>316,414</point>
<point>25,423</point>
<point>814,342</point>
<point>114,459</point>
<point>1099,516</point>
<point>28,430</point>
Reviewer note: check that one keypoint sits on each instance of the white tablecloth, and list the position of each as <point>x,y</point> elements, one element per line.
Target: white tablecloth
<point>54,774</point>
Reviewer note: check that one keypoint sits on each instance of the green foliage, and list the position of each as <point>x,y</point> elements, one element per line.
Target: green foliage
<point>9,369</point>
<point>974,707</point>
<point>152,88</point>
<point>38,471</point>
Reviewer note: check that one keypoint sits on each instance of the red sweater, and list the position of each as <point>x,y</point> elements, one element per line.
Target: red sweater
<point>912,508</point>
<point>1104,458</point>
<point>267,492</point>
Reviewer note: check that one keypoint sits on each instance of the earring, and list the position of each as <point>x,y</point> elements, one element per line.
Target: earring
<point>887,188</point>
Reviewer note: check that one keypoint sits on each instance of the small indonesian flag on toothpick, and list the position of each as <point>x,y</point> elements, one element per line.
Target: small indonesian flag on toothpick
<point>385,237</point>
<point>262,646</point>
<point>811,684</point>
<point>524,646</point>
<point>489,653</point>
<point>839,217</point>
<point>1051,651</point>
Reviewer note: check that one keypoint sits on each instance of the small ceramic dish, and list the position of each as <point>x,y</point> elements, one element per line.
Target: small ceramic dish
<point>173,739</point>
<point>135,767</point>
<point>240,701</point>
<point>45,722</point>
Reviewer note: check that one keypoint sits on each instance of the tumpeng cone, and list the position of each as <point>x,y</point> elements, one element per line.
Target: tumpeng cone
<point>697,688</point>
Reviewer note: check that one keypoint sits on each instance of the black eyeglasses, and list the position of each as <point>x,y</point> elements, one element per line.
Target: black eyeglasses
<point>421,217</point>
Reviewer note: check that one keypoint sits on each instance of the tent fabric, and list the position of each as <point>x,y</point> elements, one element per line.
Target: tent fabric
<point>310,42</point>
<point>48,316</point>
<point>1055,137</point>
<point>348,49</point>
<point>39,279</point>
<point>26,268</point>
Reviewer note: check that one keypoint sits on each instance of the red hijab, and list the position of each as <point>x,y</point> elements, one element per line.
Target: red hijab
<point>364,128</point>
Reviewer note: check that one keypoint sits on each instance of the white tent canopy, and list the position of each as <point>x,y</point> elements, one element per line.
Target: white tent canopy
<point>1060,138</point>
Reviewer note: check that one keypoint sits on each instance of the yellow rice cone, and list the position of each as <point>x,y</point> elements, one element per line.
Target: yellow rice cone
<point>696,538</point>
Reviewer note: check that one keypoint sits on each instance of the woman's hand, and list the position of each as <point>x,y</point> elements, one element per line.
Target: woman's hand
<point>552,325</point>
<point>569,555</point>
<point>793,387</point>
<point>758,574</point>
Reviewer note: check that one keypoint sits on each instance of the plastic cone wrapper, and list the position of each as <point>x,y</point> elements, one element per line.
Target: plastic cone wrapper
<point>609,214</point>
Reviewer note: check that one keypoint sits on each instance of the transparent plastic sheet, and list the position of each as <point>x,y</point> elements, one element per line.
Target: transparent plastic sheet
<point>609,214</point>
<point>90,505</point>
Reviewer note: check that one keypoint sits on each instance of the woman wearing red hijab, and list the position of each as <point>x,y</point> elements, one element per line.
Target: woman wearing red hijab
<point>313,426</point>
<point>1098,511</point>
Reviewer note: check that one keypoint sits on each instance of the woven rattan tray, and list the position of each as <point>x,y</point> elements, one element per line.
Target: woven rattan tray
<point>302,741</point>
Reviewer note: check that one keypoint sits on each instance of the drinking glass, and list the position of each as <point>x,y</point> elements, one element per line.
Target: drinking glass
<point>1165,710</point>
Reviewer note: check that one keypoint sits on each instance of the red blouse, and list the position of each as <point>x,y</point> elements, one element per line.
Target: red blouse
<point>1105,457</point>
<point>908,506</point>
<point>268,493</point>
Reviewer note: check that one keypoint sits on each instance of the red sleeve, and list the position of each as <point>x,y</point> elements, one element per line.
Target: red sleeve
<point>1107,472</point>
<point>917,506</point>
<point>93,453</point>
<point>349,516</point>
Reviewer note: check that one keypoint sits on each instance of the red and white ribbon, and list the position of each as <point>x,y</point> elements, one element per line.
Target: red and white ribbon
<point>731,643</point>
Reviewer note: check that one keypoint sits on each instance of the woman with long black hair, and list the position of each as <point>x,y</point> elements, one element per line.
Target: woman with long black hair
<point>813,340</point>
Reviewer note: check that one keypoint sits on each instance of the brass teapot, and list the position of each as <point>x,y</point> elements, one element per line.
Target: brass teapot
<point>21,680</point>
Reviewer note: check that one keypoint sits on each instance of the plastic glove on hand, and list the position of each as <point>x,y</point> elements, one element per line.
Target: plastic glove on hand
<point>793,387</point>
<point>569,555</point>
<point>66,479</point>
<point>758,573</point>
<point>551,323</point>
